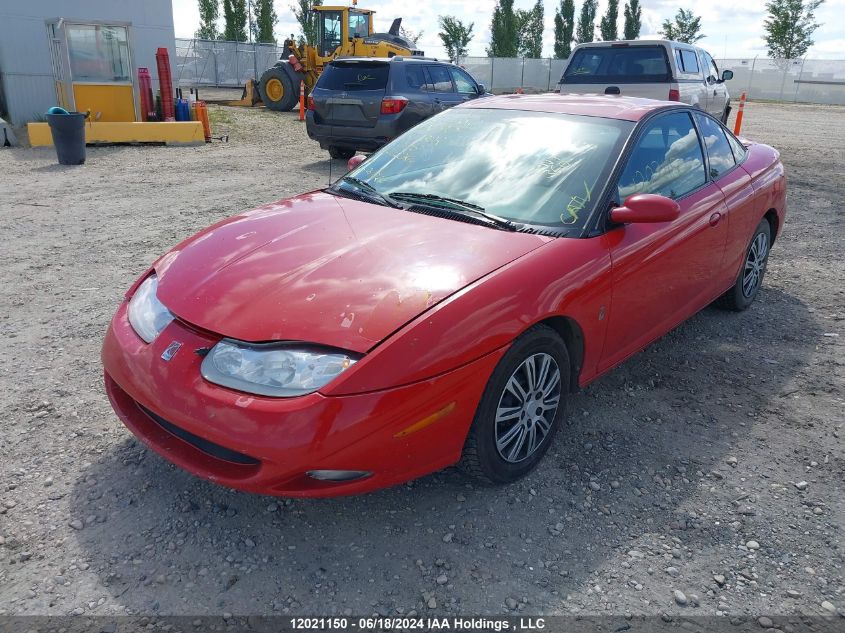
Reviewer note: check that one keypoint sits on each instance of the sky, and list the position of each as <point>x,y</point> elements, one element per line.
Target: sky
<point>733,28</point>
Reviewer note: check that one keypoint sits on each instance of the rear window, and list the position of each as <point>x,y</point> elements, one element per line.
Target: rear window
<point>351,77</point>
<point>628,64</point>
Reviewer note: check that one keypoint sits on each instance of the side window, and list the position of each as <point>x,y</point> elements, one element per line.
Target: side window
<point>359,25</point>
<point>737,147</point>
<point>710,70</point>
<point>415,76</point>
<point>666,160</point>
<point>689,61</point>
<point>441,79</point>
<point>463,81</point>
<point>718,149</point>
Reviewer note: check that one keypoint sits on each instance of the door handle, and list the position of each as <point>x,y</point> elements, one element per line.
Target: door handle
<point>715,218</point>
<point>715,93</point>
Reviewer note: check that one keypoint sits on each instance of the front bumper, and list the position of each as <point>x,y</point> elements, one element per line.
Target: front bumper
<point>266,445</point>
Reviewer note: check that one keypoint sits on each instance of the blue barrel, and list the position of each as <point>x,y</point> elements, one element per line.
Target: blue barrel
<point>68,132</point>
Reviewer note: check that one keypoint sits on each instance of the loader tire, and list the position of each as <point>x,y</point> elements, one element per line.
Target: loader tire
<point>277,90</point>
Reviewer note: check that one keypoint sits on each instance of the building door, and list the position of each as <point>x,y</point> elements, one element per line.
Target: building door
<point>61,67</point>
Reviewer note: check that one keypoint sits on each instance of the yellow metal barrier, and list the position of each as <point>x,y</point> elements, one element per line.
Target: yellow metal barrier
<point>179,133</point>
<point>113,102</point>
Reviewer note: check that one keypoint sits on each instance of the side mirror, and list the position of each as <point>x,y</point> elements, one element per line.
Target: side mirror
<point>727,75</point>
<point>482,90</point>
<point>356,160</point>
<point>645,208</point>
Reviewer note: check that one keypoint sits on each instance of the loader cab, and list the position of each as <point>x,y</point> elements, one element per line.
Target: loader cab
<point>339,25</point>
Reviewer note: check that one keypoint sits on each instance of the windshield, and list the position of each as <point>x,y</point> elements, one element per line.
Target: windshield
<point>529,167</point>
<point>617,64</point>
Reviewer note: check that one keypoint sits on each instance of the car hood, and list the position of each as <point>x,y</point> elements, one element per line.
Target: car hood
<point>327,270</point>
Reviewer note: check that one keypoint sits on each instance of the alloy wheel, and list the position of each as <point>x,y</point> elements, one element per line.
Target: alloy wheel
<point>755,265</point>
<point>527,407</point>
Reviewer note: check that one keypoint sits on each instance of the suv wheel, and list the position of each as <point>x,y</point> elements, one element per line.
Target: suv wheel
<point>341,153</point>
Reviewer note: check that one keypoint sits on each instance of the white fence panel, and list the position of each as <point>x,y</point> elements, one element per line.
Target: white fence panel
<point>231,64</point>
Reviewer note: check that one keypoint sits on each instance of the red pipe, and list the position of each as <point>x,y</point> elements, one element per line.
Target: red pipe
<point>145,87</point>
<point>165,83</point>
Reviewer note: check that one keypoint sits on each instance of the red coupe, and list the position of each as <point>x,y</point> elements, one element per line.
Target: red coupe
<point>440,302</point>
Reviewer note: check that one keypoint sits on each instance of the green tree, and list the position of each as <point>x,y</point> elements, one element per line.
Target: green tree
<point>209,12</point>
<point>564,29</point>
<point>633,20</point>
<point>789,27</point>
<point>455,36</point>
<point>586,29</point>
<point>609,25</point>
<point>685,28</point>
<point>529,29</point>
<point>503,33</point>
<point>265,21</point>
<point>304,13</point>
<point>234,14</point>
<point>410,35</point>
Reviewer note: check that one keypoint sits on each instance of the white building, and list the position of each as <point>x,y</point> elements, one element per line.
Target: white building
<point>82,54</point>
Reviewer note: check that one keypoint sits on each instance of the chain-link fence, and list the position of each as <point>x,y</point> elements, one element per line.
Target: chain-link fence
<point>221,64</point>
<point>796,80</point>
<point>230,64</point>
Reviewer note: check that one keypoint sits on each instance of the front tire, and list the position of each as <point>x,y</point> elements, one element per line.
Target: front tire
<point>726,113</point>
<point>521,409</point>
<point>750,278</point>
<point>277,90</point>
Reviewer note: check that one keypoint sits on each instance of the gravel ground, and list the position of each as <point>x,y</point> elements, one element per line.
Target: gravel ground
<point>704,476</point>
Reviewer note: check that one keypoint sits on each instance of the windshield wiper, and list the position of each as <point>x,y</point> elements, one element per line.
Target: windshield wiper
<point>456,205</point>
<point>368,191</point>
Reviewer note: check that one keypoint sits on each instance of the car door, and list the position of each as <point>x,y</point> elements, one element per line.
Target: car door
<point>724,154</point>
<point>716,90</point>
<point>691,82</point>
<point>445,94</point>
<point>465,85</point>
<point>419,92</point>
<point>663,272</point>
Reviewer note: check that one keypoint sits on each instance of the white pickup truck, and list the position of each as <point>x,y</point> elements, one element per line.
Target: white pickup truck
<point>655,69</point>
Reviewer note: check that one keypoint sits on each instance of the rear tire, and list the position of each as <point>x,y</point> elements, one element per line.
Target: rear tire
<point>521,409</point>
<point>341,153</point>
<point>277,90</point>
<point>750,278</point>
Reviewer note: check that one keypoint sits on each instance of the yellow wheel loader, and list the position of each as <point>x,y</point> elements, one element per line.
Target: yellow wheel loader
<point>341,32</point>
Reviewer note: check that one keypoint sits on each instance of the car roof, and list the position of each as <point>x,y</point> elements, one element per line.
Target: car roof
<point>391,60</point>
<point>621,43</point>
<point>607,106</point>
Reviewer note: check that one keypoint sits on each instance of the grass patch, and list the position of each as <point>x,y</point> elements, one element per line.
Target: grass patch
<point>218,116</point>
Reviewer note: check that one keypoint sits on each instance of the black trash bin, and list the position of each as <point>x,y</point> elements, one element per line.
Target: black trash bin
<point>68,132</point>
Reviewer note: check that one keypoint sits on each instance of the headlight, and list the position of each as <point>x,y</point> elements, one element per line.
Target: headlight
<point>279,370</point>
<point>147,314</point>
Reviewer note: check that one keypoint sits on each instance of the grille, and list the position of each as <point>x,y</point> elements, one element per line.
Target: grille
<point>209,448</point>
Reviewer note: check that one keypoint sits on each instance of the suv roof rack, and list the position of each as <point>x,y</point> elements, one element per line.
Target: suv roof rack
<point>400,58</point>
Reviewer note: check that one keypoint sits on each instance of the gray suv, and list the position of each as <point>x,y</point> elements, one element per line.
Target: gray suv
<point>362,103</point>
